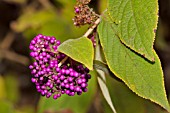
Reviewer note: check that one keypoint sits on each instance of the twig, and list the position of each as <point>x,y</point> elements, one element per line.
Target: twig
<point>92,28</point>
<point>8,40</point>
<point>5,53</point>
<point>62,61</point>
<point>14,57</point>
<point>50,51</point>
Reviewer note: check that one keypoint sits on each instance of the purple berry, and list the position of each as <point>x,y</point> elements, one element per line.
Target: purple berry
<point>62,84</point>
<point>48,83</point>
<point>77,89</point>
<point>67,91</point>
<point>55,78</point>
<point>71,73</point>
<point>67,86</point>
<point>38,87</point>
<point>62,77</point>
<point>58,95</point>
<point>33,80</point>
<point>85,90</point>
<point>77,10</point>
<point>76,74</point>
<point>70,79</point>
<point>71,93</point>
<point>55,97</point>
<point>71,87</point>
<point>84,80</point>
<point>79,81</point>
<point>58,42</point>
<point>67,72</point>
<point>62,92</point>
<point>34,71</point>
<point>83,85</point>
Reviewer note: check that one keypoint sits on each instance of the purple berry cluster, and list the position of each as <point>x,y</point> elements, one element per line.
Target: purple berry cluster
<point>92,37</point>
<point>53,72</point>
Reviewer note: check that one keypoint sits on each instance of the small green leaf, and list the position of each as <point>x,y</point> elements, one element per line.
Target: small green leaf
<point>102,70</point>
<point>141,76</point>
<point>80,49</point>
<point>102,83</point>
<point>136,20</point>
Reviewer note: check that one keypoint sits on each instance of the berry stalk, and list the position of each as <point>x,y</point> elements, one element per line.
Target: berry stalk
<point>90,30</point>
<point>62,61</point>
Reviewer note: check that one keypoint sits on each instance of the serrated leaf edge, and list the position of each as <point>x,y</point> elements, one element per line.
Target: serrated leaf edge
<point>141,53</point>
<point>168,109</point>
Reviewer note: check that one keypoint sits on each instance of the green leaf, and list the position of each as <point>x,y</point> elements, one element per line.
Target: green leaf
<point>36,19</point>
<point>102,70</point>
<point>102,6</point>
<point>74,104</point>
<point>136,20</point>
<point>141,76</point>
<point>49,22</point>
<point>124,98</point>
<point>102,83</point>
<point>6,107</point>
<point>12,87</point>
<point>2,88</point>
<point>80,49</point>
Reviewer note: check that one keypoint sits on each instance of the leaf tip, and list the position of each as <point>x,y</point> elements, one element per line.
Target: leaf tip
<point>90,68</point>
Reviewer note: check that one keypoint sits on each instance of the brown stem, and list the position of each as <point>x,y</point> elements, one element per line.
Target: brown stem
<point>14,57</point>
<point>90,30</point>
<point>62,61</point>
<point>8,40</point>
<point>51,51</point>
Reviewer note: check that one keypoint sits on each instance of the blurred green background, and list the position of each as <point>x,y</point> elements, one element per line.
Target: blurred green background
<point>21,20</point>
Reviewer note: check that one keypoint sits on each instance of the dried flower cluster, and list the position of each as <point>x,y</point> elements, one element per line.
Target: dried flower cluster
<point>83,14</point>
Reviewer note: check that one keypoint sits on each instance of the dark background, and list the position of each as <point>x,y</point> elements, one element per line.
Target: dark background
<point>21,20</point>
